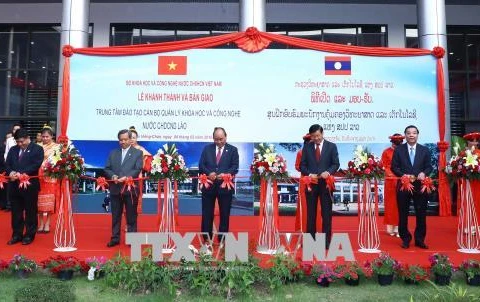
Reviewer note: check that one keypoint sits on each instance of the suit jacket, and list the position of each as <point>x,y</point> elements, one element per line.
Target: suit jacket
<point>228,162</point>
<point>2,158</point>
<point>29,164</point>
<point>328,159</point>
<point>131,166</point>
<point>401,161</point>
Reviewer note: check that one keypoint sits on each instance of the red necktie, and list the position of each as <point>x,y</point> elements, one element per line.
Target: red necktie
<point>219,154</point>
<point>317,152</point>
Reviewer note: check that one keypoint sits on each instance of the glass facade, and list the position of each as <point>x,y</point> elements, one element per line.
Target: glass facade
<point>463,43</point>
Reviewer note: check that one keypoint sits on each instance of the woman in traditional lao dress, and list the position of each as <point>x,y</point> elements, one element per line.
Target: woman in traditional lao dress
<point>147,162</point>
<point>390,218</point>
<point>48,186</point>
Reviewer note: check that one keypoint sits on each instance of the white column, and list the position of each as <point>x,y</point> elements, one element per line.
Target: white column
<point>252,13</point>
<point>432,31</point>
<point>75,20</point>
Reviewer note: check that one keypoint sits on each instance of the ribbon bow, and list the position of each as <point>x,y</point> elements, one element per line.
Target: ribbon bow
<point>427,185</point>
<point>227,181</point>
<point>102,184</point>
<point>406,183</point>
<point>308,181</point>
<point>3,180</point>
<point>204,181</point>
<point>129,184</point>
<point>24,180</point>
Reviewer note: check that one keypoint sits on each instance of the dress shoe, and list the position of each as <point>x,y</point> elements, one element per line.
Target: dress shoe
<point>14,240</point>
<point>421,245</point>
<point>27,240</point>
<point>405,245</point>
<point>112,243</point>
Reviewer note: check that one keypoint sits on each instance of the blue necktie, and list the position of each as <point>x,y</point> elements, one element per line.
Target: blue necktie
<point>412,155</point>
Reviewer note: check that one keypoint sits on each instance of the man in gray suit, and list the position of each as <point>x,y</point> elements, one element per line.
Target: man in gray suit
<point>122,163</point>
<point>319,161</point>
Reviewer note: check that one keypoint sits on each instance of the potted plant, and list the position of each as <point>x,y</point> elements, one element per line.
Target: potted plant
<point>96,267</point>
<point>471,268</point>
<point>413,274</point>
<point>323,274</point>
<point>22,266</point>
<point>384,266</point>
<point>441,268</point>
<point>351,272</point>
<point>62,266</point>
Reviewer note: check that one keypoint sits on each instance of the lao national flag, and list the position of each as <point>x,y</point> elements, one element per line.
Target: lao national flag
<point>338,65</point>
<point>172,65</point>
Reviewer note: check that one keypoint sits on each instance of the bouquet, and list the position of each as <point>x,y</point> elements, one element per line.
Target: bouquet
<point>267,164</point>
<point>465,164</point>
<point>384,265</point>
<point>22,263</point>
<point>168,163</point>
<point>365,165</point>
<point>95,262</point>
<point>65,162</point>
<point>440,265</point>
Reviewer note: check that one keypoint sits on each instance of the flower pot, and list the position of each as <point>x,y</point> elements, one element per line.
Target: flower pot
<point>474,281</point>
<point>385,279</point>
<point>323,282</point>
<point>411,282</point>
<point>442,280</point>
<point>65,275</point>
<point>352,282</point>
<point>22,274</point>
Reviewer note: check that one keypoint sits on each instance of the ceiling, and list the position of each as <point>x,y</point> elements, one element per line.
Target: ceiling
<point>448,2</point>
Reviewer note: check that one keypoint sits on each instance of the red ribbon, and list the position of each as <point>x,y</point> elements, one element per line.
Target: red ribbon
<point>24,180</point>
<point>129,184</point>
<point>3,180</point>
<point>308,181</point>
<point>427,185</point>
<point>204,181</point>
<point>406,183</point>
<point>227,181</point>
<point>330,181</point>
<point>101,184</point>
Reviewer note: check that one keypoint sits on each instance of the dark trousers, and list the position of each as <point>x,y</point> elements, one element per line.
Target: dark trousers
<point>420,205</point>
<point>3,197</point>
<point>319,190</point>
<point>209,196</point>
<point>117,203</point>
<point>24,212</point>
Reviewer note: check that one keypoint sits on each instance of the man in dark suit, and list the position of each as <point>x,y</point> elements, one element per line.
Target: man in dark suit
<point>216,160</point>
<point>24,158</point>
<point>319,161</point>
<point>122,163</point>
<point>414,160</point>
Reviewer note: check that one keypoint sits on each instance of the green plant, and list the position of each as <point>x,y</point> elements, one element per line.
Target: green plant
<point>440,264</point>
<point>45,290</point>
<point>22,263</point>
<point>470,268</point>
<point>284,269</point>
<point>414,273</point>
<point>238,277</point>
<point>384,264</point>
<point>352,270</point>
<point>448,294</point>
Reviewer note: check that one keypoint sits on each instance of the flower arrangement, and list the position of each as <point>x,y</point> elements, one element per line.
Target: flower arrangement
<point>365,165</point>
<point>267,164</point>
<point>471,268</point>
<point>465,164</point>
<point>22,263</point>
<point>413,273</point>
<point>384,264</point>
<point>352,270</point>
<point>168,163</point>
<point>440,265</point>
<point>65,162</point>
<point>63,263</point>
<point>95,262</point>
<point>324,273</point>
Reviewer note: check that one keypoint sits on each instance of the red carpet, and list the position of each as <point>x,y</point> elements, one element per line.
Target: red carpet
<point>93,232</point>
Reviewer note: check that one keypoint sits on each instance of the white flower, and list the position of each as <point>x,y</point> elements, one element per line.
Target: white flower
<point>261,169</point>
<point>274,169</point>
